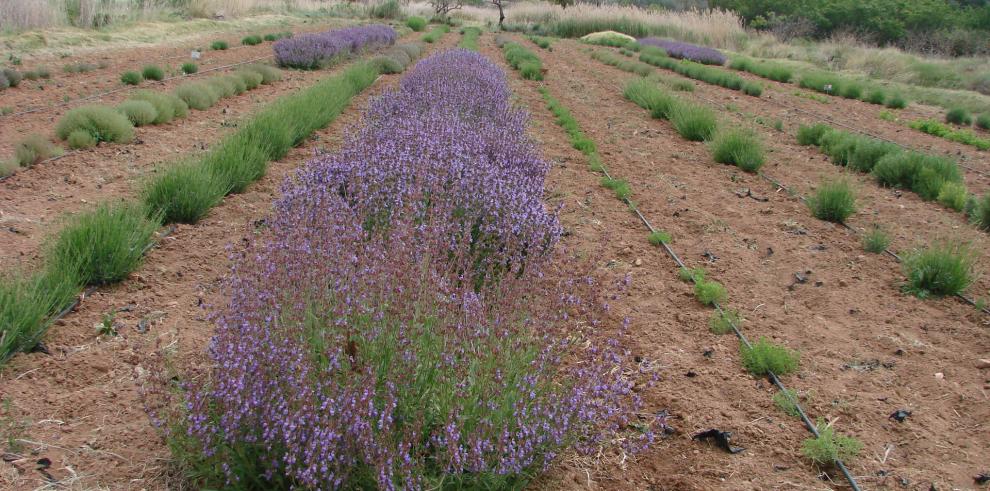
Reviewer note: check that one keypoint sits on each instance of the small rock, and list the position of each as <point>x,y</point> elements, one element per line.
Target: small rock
<point>638,262</point>
<point>939,376</point>
<point>843,283</point>
<point>983,363</point>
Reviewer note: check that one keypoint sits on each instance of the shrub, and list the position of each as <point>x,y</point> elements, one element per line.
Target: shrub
<point>189,68</point>
<point>101,122</point>
<point>682,85</point>
<point>33,149</point>
<point>945,268</point>
<point>822,82</point>
<point>251,40</point>
<point>950,133</point>
<point>386,64</point>
<point>983,121</point>
<point>739,147</point>
<point>897,101</point>
<point>834,201</point>
<point>812,135</point>
<point>26,303</point>
<point>765,357</point>
<point>876,96</point>
<point>524,60</point>
<point>686,51</point>
<point>435,34</point>
<point>271,37</point>
<point>876,240</point>
<point>958,115</point>
<point>249,78</point>
<point>415,23</point>
<point>79,139</point>
<point>923,174</point>
<point>852,91</point>
<point>771,71</point>
<point>694,123</point>
<point>317,50</point>
<point>167,106</point>
<point>710,292</point>
<point>138,112</point>
<point>153,72</point>
<point>387,9</point>
<point>867,152</point>
<point>953,195</point>
<point>183,193</point>
<point>647,95</point>
<point>104,245</point>
<point>222,86</point>
<point>978,211</point>
<point>723,320</point>
<point>269,74</point>
<point>197,95</point>
<point>13,77</point>
<point>131,78</point>
<point>829,448</point>
<point>219,45</point>
<point>752,88</point>
<point>839,145</point>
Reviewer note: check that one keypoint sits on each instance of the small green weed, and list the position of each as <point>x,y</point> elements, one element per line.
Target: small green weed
<point>829,447</point>
<point>876,240</point>
<point>765,357</point>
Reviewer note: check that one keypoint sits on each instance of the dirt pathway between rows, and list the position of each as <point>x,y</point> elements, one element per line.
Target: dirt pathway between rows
<point>867,349</point>
<point>80,406</point>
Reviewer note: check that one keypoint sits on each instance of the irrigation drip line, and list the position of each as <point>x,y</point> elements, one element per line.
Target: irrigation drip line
<point>122,89</point>
<point>808,424</point>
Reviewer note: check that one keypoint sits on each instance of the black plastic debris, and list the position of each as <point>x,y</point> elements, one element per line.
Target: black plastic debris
<point>40,348</point>
<point>721,439</point>
<point>900,415</point>
<point>43,463</point>
<point>982,478</point>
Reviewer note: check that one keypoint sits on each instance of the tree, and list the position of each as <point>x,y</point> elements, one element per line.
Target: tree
<point>501,13</point>
<point>443,7</point>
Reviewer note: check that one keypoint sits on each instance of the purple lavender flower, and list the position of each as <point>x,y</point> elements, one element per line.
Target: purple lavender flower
<point>311,51</point>
<point>686,51</point>
<point>358,348</point>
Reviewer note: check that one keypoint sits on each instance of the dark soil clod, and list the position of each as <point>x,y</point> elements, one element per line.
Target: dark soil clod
<point>900,415</point>
<point>721,439</point>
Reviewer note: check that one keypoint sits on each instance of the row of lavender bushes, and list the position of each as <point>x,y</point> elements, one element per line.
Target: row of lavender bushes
<point>686,51</point>
<point>407,320</point>
<point>312,51</point>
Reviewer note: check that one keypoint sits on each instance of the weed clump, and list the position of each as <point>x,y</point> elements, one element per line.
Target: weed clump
<point>753,89</point>
<point>183,193</point>
<point>415,23</point>
<point>829,448</point>
<point>765,357</point>
<point>189,68</point>
<point>647,95</point>
<point>219,45</point>
<point>13,77</point>
<point>710,292</point>
<point>786,400</point>
<point>139,112</point>
<point>694,123</point>
<point>153,72</point>
<point>618,186</point>
<point>251,40</point>
<point>945,268</point>
<point>659,237</point>
<point>834,201</point>
<point>953,195</point>
<point>33,149</point>
<point>131,78</point>
<point>739,147</point>
<point>876,240</point>
<point>812,135</point>
<point>897,101</point>
<point>102,123</point>
<point>79,139</point>
<point>983,121</point>
<point>722,321</point>
<point>960,116</point>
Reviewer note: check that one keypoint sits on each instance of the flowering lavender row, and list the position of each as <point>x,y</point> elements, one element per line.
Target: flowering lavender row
<point>687,51</point>
<point>404,321</point>
<point>311,51</point>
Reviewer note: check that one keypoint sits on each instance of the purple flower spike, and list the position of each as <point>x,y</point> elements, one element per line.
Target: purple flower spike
<point>686,51</point>
<point>311,51</point>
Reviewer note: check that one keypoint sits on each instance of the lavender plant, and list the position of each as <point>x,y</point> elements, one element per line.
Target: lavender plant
<point>686,51</point>
<point>358,351</point>
<point>312,51</point>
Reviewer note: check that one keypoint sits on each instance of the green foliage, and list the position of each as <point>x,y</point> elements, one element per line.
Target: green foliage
<point>436,33</point>
<point>852,91</point>
<point>79,139</point>
<point>876,240</point>
<point>623,64</point>
<point>617,186</point>
<point>103,245</point>
<point>983,121</point>
<point>470,39</point>
<point>866,152</point>
<point>131,78</point>
<point>693,275</point>
<point>740,147</point>
<point>896,101</point>
<point>752,88</point>
<point>524,60</point>
<point>682,85</point>
<point>387,9</point>
<point>152,72</point>
<point>417,24</point>
<point>138,112</point>
<point>219,45</point>
<point>710,292</point>
<point>251,79</point>
<point>102,123</point>
<point>923,174</point>
<point>33,149</point>
<point>812,135</point>
<point>958,115</point>
<point>197,95</point>
<point>183,193</point>
<point>26,304</point>
<point>13,77</point>
<point>251,40</point>
<point>829,448</point>
<point>966,136</point>
<point>649,96</point>
<point>713,75</point>
<point>269,74</point>
<point>765,357</point>
<point>772,71</point>
<point>953,195</point>
<point>834,201</point>
<point>694,123</point>
<point>978,211</point>
<point>659,237</point>
<point>876,96</point>
<point>189,68</point>
<point>167,106</point>
<point>542,42</point>
<point>944,268</point>
<point>787,401</point>
<point>722,321</point>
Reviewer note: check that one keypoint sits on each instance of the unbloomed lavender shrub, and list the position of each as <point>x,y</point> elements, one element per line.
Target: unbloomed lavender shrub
<point>687,51</point>
<point>311,51</point>
<point>357,351</point>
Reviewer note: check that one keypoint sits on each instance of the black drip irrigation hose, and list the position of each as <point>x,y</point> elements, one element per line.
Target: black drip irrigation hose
<point>811,427</point>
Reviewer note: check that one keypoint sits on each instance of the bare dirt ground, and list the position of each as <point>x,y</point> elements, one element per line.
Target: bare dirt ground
<point>80,407</point>
<point>867,348</point>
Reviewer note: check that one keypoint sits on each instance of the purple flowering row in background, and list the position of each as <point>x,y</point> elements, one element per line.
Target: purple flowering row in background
<point>686,51</point>
<point>406,321</point>
<point>311,51</point>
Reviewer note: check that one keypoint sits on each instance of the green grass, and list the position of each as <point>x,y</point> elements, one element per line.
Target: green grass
<point>978,211</point>
<point>617,186</point>
<point>812,135</point>
<point>649,96</point>
<point>944,268</point>
<point>33,149</point>
<point>829,448</point>
<point>219,45</point>
<point>470,38</point>
<point>131,78</point>
<point>965,136</point>
<point>713,75</point>
<point>139,113</point>
<point>102,123</point>
<point>834,201</point>
<point>692,122</point>
<point>436,33</point>
<point>876,96</point>
<point>896,101</point>
<point>417,24</point>
<point>740,147</point>
<point>765,357</point>
<point>953,195</point>
<point>183,193</point>
<point>153,72</point>
<point>542,42</point>
<point>79,139</point>
<point>787,401</point>
<point>983,121</point>
<point>958,115</point>
<point>768,70</point>
<point>524,60</point>
<point>753,89</point>
<point>251,40</point>
<point>189,68</point>
<point>623,64</point>
<point>27,302</point>
<point>103,245</point>
<point>659,237</point>
<point>923,174</point>
<point>876,240</point>
<point>167,106</point>
<point>710,292</point>
<point>722,322</point>
<point>866,152</point>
